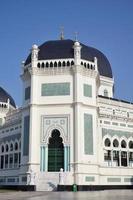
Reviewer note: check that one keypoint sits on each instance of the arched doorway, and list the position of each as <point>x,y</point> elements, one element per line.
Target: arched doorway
<point>55,152</point>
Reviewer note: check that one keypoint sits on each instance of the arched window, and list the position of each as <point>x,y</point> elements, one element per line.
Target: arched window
<point>106,93</point>
<point>107,142</point>
<point>131,144</point>
<point>88,66</point>
<point>11,147</point>
<point>68,63</point>
<point>2,149</point>
<point>115,143</point>
<point>16,146</point>
<point>59,64</point>
<point>51,64</point>
<point>42,65</point>
<point>81,63</point>
<point>72,63</point>
<point>123,144</point>
<point>85,64</point>
<point>47,65</point>
<point>38,65</point>
<point>63,64</point>
<point>55,64</point>
<point>7,147</point>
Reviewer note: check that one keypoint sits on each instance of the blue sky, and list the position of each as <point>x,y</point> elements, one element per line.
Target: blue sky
<point>104,24</point>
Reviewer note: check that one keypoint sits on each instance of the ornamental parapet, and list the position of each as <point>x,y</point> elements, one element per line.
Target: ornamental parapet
<point>60,63</point>
<point>4,105</point>
<point>116,109</point>
<point>13,115</point>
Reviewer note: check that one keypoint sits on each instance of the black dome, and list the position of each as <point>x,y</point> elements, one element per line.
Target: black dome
<point>64,49</point>
<point>4,96</point>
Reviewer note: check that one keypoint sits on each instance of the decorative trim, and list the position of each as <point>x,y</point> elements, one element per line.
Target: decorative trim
<point>87,90</point>
<point>88,134</point>
<point>55,89</point>
<point>10,138</point>
<point>89,178</point>
<point>63,71</point>
<point>130,180</point>
<point>51,122</point>
<point>110,179</point>
<point>118,133</point>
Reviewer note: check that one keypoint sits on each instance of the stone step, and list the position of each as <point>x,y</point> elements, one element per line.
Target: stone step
<point>49,186</point>
<point>47,181</point>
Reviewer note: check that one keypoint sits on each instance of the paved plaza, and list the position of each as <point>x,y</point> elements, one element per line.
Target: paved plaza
<point>93,195</point>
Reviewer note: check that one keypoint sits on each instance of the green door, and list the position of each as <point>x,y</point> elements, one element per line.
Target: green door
<point>55,152</point>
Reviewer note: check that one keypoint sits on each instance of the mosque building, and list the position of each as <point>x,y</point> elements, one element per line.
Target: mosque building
<point>69,119</point>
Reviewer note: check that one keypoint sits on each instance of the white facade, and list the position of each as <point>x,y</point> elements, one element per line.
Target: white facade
<point>95,131</point>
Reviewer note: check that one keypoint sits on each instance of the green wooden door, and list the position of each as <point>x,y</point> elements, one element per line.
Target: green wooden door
<point>55,152</point>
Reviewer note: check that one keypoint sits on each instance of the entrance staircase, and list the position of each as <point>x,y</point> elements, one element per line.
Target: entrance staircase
<point>47,181</point>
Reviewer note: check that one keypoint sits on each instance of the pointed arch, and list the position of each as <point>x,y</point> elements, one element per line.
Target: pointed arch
<point>47,64</point>
<point>38,65</point>
<point>68,63</point>
<point>42,65</point>
<point>55,64</point>
<point>59,64</point>
<point>72,63</point>
<point>63,64</point>
<point>51,64</point>
<point>85,65</point>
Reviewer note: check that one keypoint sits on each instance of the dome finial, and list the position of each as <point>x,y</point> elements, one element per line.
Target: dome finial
<point>62,33</point>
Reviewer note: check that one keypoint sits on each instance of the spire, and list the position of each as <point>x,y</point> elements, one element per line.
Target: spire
<point>62,33</point>
<point>76,36</point>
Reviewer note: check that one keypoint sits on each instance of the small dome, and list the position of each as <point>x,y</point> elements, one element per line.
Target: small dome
<point>61,49</point>
<point>34,46</point>
<point>76,43</point>
<point>4,96</point>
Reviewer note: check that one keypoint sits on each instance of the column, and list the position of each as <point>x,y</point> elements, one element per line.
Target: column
<point>127,158</point>
<point>41,159</point>
<point>65,158</point>
<point>8,161</point>
<point>111,157</point>
<point>68,166</point>
<point>120,157</point>
<point>13,161</point>
<point>46,158</point>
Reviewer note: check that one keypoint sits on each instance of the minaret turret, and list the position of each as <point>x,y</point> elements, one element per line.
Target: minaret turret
<point>77,53</point>
<point>34,55</point>
<point>96,63</point>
